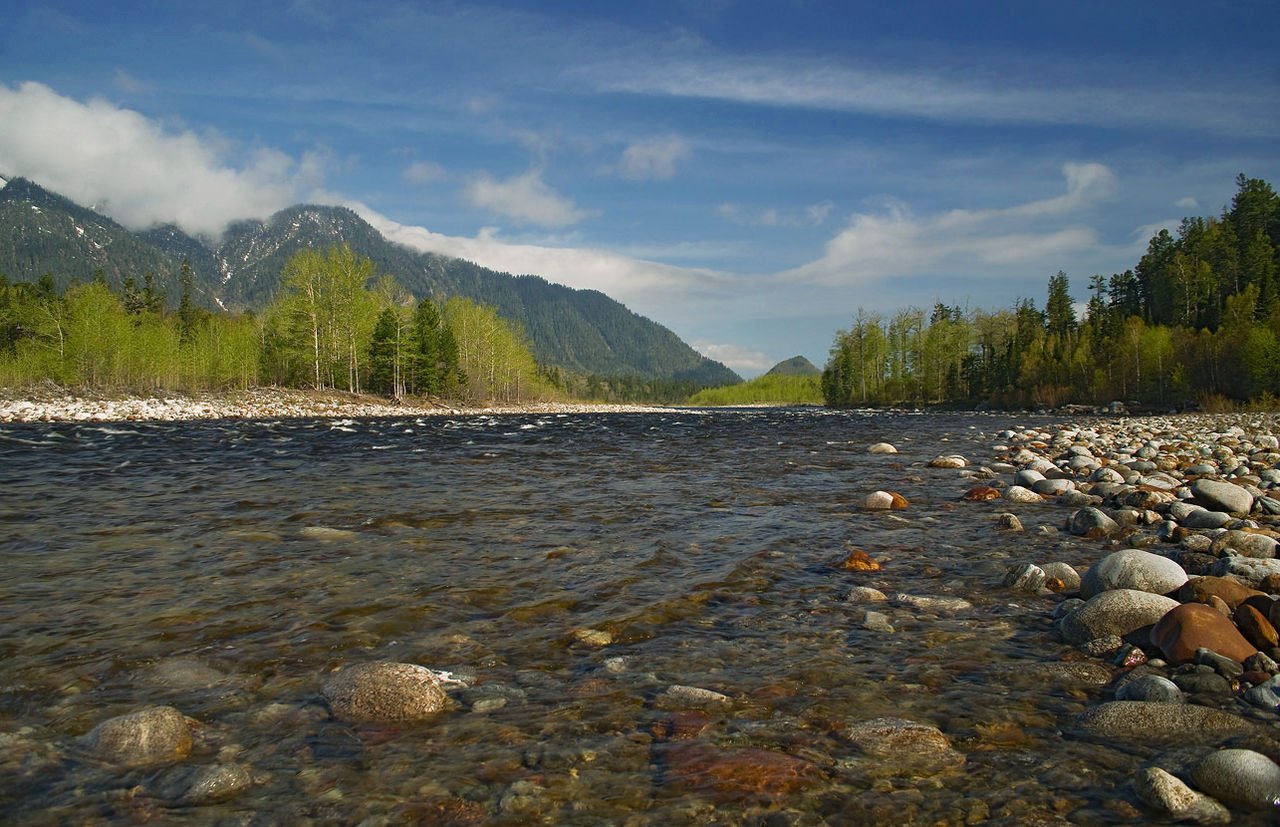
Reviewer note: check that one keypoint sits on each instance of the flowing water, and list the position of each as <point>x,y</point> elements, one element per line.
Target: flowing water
<point>567,569</point>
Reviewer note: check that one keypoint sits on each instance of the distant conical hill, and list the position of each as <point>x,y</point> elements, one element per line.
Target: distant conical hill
<point>583,331</point>
<point>795,366</point>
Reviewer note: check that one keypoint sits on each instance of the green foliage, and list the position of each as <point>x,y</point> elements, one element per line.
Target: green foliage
<point>493,357</point>
<point>770,389</point>
<point>1198,318</point>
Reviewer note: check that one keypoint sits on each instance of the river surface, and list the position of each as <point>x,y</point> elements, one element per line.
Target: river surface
<point>567,570</point>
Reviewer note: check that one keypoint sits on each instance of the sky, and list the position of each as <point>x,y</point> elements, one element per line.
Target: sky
<point>748,174</point>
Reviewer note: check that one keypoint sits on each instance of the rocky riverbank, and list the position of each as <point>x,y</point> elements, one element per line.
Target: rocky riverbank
<point>1181,606</point>
<point>57,405</point>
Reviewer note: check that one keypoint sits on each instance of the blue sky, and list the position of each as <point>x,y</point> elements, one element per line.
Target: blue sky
<point>748,174</point>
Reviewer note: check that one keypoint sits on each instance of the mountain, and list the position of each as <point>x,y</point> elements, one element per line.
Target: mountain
<point>583,331</point>
<point>795,366</point>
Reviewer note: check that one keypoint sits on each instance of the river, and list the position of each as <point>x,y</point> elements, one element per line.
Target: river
<point>568,570</point>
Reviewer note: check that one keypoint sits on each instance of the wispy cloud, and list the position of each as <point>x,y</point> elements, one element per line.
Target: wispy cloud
<point>423,172</point>
<point>654,158</point>
<point>139,172</point>
<point>811,83</point>
<point>811,216</point>
<point>526,199</point>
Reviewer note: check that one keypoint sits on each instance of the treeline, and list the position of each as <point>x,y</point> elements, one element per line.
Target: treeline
<point>770,389</point>
<point>335,324</point>
<point>1195,322</point>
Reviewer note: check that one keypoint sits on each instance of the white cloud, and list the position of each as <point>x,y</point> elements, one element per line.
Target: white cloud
<point>423,172</point>
<point>895,242</point>
<point>811,216</point>
<point>139,172</point>
<point>654,158</point>
<point>814,83</point>
<point>740,359</point>
<point>525,199</point>
<point>1187,202</point>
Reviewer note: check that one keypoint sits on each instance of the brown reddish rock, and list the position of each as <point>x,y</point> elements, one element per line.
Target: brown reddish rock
<point>982,494</point>
<point>1193,626</point>
<point>681,726</point>
<point>859,560</point>
<point>885,501</point>
<point>736,775</point>
<point>907,745</point>
<point>442,811</point>
<point>1270,584</point>
<point>1255,627</point>
<point>1230,590</point>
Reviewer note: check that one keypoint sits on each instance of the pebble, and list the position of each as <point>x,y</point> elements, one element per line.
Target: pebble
<point>898,744</point>
<point>884,501</point>
<point>1018,494</point>
<point>882,448</point>
<point>1064,573</point>
<point>948,461</point>
<point>1008,522</point>
<point>1024,577</point>
<point>1144,721</point>
<point>1093,523</point>
<point>1166,793</point>
<point>1133,569</point>
<point>680,694</point>
<point>1153,688</point>
<point>1222,496</point>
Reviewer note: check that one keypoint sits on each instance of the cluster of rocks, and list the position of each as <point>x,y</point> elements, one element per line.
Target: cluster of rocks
<point>258,403</point>
<point>1183,605</point>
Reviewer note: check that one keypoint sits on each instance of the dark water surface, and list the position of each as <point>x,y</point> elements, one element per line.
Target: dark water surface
<point>226,567</point>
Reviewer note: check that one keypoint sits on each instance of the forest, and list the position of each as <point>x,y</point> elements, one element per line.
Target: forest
<point>1194,324</point>
<point>334,324</point>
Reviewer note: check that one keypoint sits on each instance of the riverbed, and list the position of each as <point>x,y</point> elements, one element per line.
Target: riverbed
<point>566,570</point>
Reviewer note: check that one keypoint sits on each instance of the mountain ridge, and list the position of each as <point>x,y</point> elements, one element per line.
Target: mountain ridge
<point>583,331</point>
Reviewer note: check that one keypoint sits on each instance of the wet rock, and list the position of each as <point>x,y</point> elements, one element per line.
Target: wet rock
<point>326,534</point>
<point>384,692</point>
<point>1255,627</point>
<point>1008,522</point>
<point>681,725</point>
<point>1024,577</point>
<point>155,735</point>
<point>1265,695</point>
<point>1151,688</point>
<point>184,674</point>
<point>1239,777</point>
<point>859,560</point>
<point>1167,794</point>
<point>1052,488</point>
<point>935,604</point>
<point>877,622</point>
<point>1092,523</point>
<point>882,448</point>
<point>1222,496</point>
<point>1115,612</point>
<point>1229,590</point>
<point>1192,626</point>
<point>679,696</point>
<point>1103,646</point>
<point>1018,494</point>
<point>1133,568</point>
<point>905,745</point>
<point>948,461</point>
<point>737,774</point>
<point>597,638</point>
<point>1247,570</point>
<point>216,783</point>
<point>1245,544</point>
<point>866,594</point>
<point>1203,683</point>
<point>1144,721</point>
<point>981,494</point>
<point>1067,574</point>
<point>884,501</point>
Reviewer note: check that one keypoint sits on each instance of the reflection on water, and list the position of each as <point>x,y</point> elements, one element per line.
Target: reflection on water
<point>569,569</point>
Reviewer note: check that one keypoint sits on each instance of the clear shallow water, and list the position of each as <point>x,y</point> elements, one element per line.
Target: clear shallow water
<point>226,567</point>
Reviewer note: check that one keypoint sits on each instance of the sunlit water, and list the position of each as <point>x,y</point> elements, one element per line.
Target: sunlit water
<point>702,544</point>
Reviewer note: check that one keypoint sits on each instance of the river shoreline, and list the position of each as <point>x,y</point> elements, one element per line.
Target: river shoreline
<point>62,405</point>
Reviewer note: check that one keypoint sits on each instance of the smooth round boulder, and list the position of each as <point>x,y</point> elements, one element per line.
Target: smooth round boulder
<point>884,501</point>
<point>1245,544</point>
<point>155,735</point>
<point>1133,568</point>
<point>948,461</point>
<point>1248,570</point>
<point>1065,573</point>
<point>1222,496</point>
<point>1191,626</point>
<point>882,448</point>
<point>1153,688</point>
<point>384,692</point>
<point>1018,494</point>
<point>1228,589</point>
<point>1115,612</point>
<point>1240,777</point>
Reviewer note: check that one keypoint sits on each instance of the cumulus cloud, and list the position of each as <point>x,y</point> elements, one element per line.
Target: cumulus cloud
<point>526,199</point>
<point>742,360</point>
<point>896,242</point>
<point>654,158</point>
<point>138,171</point>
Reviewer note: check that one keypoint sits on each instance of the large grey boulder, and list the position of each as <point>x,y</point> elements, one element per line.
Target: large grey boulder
<point>1114,612</point>
<point>1222,496</point>
<point>1248,570</point>
<point>1133,568</point>
<point>154,735</point>
<point>1162,722</point>
<point>1240,777</point>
